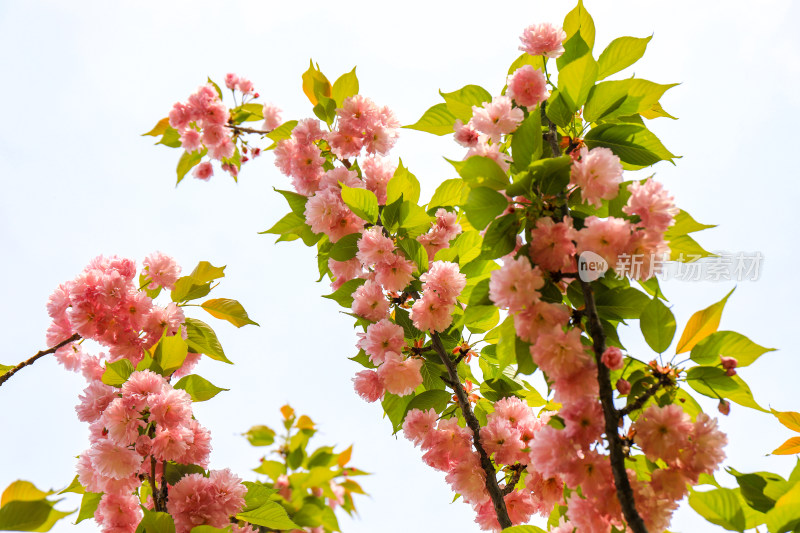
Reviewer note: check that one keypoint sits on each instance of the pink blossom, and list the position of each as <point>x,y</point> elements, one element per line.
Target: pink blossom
<point>541,317</point>
<point>514,286</point>
<point>545,492</point>
<point>326,213</point>
<point>191,141</point>
<point>141,386</point>
<point>445,280</point>
<point>369,385</point>
<point>468,479</point>
<point>543,39</point>
<point>172,443</point>
<point>443,230</point>
<point>705,452</point>
<point>560,354</point>
<point>598,174</point>
<point>608,237</point>
<point>583,515</point>
<point>94,400</point>
<point>418,425</point>
<point>431,313</point>
<point>465,134</point>
<point>118,513</point>
<point>584,421</point>
<point>448,446</point>
<point>163,320</point>
<point>395,273</point>
<point>307,131</point>
<point>162,270</point>
<point>612,358</point>
<point>374,247</point>
<point>231,80</point>
<point>339,176</point>
<point>383,337</point>
<point>200,449</point>
<point>377,173</point>
<point>223,150</point>
<point>110,460</point>
<point>203,171</point>
<point>519,506</point>
<point>623,386</point>
<point>344,271</point>
<point>502,440</point>
<point>170,408</point>
<point>652,204</point>
<point>272,117</point>
<point>196,500</point>
<point>551,245</point>
<point>122,422</point>
<point>400,376</point>
<point>527,87</point>
<point>662,432</point>
<point>58,302</point>
<point>650,251</point>
<point>492,151</point>
<point>496,118</point>
<point>302,162</point>
<point>575,386</point>
<point>370,302</point>
<point>245,85</point>
<point>180,116</point>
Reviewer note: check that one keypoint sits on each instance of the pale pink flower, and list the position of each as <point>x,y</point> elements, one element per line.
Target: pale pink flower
<point>612,358</point>
<point>370,302</point>
<point>92,368</point>
<point>326,213</point>
<point>443,230</point>
<point>584,516</point>
<point>114,461</point>
<point>170,408</point>
<point>519,507</point>
<point>302,162</point>
<point>188,365</point>
<point>162,270</point>
<point>545,492</point>
<point>339,176</point>
<point>527,87</point>
<point>377,173</point>
<point>231,80</point>
<point>513,410</point>
<point>172,443</point>
<point>541,317</point>
<point>543,39</point>
<point>575,386</point>
<point>141,386</point>
<point>598,174</point>
<point>670,482</point>
<point>418,425</point>
<point>191,141</point>
<point>652,204</point>
<point>650,251</point>
<point>551,451</point>
<point>223,150</point>
<point>344,271</point>
<point>307,131</point>
<point>374,247</point>
<point>118,513</point>
<point>122,422</point>
<point>215,114</point>
<point>94,400</point>
<point>445,280</point>
<point>584,421</point>
<point>227,491</point>
<point>502,440</point>
<point>551,245</point>
<point>705,453</point>
<point>560,354</point>
<point>245,85</point>
<point>608,237</point>
<point>71,356</point>
<point>58,302</point>
<point>400,376</point>
<point>496,118</point>
<point>196,500</point>
<point>465,134</point>
<point>180,116</point>
<point>383,337</point>
<point>663,432</point>
<point>468,479</point>
<point>200,449</point>
<point>448,446</point>
<point>431,313</point>
<point>514,286</point>
<point>395,273</point>
<point>369,385</point>
<point>272,117</point>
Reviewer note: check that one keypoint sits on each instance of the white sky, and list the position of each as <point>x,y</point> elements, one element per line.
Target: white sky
<point>82,80</point>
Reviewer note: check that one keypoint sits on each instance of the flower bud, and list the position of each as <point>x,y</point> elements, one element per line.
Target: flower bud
<point>623,386</point>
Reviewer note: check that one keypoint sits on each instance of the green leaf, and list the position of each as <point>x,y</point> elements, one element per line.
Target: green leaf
<point>761,489</point>
<point>613,99</point>
<point>345,248</point>
<point>117,372</point>
<point>720,507</point>
<point>685,249</point>
<point>36,515</point>
<point>199,388</point>
<point>537,62</point>
<point>188,161</point>
<point>501,237</point>
<point>395,408</point>
<point>484,205</point>
<point>89,504</point>
<point>684,223</point>
<point>344,87</point>
<point>460,102</point>
<point>202,339</point>
<point>621,303</point>
<point>432,375</point>
<point>437,120</point>
<point>507,344</point>
<point>344,294</point>
<point>621,53</point>
<point>449,193</point>
<point>729,344</point>
<point>576,79</point>
<point>481,318</point>
<point>5,368</point>
<point>170,353</point>
<point>658,325</point>
<point>170,138</point>
<point>227,309</point>
<point>523,529</point>
<point>701,325</point>
<point>479,171</point>
<point>291,223</point>
<point>785,516</point>
<point>205,272</point>
<point>414,251</point>
<point>551,175</point>
<point>715,383</point>
<point>403,183</point>
<point>526,142</point>
<point>315,84</point>
<point>22,490</point>
<point>159,129</point>
<point>297,202</point>
<point>558,109</point>
<point>273,469</point>
<point>632,143</point>
<point>257,494</point>
<point>362,202</point>
<point>579,20</point>
<point>153,522</point>
<point>282,132</point>
<point>436,399</point>
<point>414,219</point>
<point>260,436</point>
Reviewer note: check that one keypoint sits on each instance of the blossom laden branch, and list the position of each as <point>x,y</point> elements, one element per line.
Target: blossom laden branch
<point>664,380</point>
<point>492,487</point>
<point>243,129</point>
<point>5,377</point>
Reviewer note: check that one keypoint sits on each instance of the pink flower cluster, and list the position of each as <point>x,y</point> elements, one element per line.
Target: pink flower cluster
<point>103,304</point>
<point>144,424</point>
<point>441,286</point>
<point>527,87</point>
<point>197,500</point>
<point>361,124</point>
<point>543,40</point>
<point>201,122</point>
<point>443,230</point>
<point>597,173</point>
<point>384,343</point>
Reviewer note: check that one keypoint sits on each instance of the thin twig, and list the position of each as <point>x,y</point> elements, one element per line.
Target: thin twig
<point>242,129</point>
<point>509,488</point>
<point>5,377</point>
<point>552,132</point>
<point>663,381</point>
<point>463,401</point>
<point>615,445</point>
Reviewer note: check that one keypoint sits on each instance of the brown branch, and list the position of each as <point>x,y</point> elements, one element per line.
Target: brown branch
<point>153,487</point>
<point>5,377</point>
<point>509,488</point>
<point>552,133</point>
<point>638,403</point>
<point>491,474</point>
<point>242,129</point>
<point>615,445</point>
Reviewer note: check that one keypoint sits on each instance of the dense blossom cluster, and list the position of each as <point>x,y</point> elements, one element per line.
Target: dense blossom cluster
<point>137,429</point>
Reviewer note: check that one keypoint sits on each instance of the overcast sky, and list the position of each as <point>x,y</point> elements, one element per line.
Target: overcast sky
<point>82,80</point>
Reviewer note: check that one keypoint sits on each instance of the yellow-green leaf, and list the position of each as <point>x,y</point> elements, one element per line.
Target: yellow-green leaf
<point>790,447</point>
<point>227,309</point>
<point>701,325</point>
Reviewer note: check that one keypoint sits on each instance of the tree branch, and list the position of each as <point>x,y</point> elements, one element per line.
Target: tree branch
<point>242,129</point>
<point>552,132</point>
<point>623,484</point>
<point>491,474</point>
<point>509,488</point>
<point>638,403</point>
<point>5,377</point>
